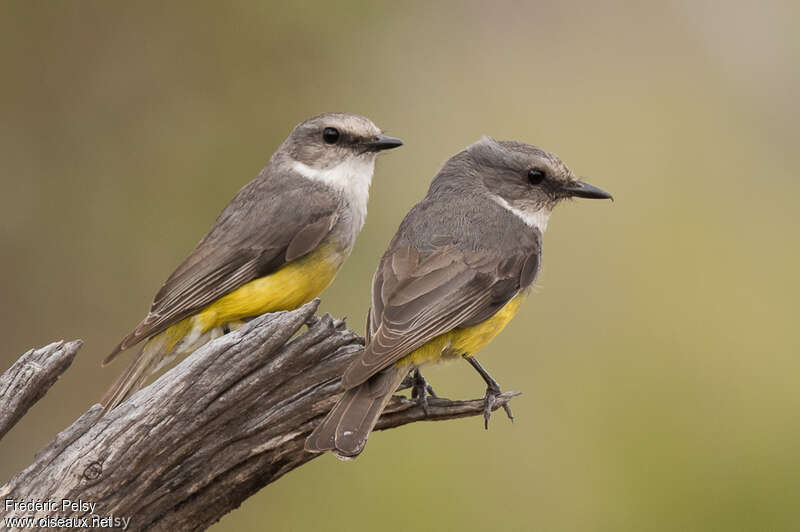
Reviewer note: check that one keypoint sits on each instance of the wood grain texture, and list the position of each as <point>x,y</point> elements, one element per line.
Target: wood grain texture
<point>227,421</point>
<point>30,377</point>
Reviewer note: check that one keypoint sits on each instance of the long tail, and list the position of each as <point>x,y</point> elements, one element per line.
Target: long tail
<point>132,379</point>
<point>346,428</point>
<point>157,352</point>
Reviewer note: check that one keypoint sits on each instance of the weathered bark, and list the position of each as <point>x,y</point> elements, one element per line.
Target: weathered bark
<point>218,427</point>
<point>29,378</point>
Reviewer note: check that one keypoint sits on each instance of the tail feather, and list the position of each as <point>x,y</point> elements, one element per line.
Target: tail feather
<point>134,376</point>
<point>346,428</point>
<point>156,353</point>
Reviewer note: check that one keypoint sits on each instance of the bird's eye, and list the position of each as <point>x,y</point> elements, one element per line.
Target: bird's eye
<point>330,135</point>
<point>535,176</point>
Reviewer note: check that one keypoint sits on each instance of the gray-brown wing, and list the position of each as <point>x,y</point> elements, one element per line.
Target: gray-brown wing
<point>267,224</point>
<point>415,299</point>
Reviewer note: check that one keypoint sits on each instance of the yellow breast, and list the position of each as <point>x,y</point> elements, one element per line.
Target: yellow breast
<point>291,286</point>
<point>468,340</point>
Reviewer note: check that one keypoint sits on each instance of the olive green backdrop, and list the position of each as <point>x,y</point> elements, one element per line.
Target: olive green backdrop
<point>658,356</point>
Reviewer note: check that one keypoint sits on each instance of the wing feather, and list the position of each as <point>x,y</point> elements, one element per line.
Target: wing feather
<point>416,299</point>
<point>258,232</point>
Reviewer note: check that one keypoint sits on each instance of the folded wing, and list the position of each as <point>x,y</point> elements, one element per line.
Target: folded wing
<point>261,230</point>
<point>417,297</point>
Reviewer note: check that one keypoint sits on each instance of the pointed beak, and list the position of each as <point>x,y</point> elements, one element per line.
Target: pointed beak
<point>580,189</point>
<point>382,142</point>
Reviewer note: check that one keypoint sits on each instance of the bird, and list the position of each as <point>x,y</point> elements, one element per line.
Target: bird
<point>454,275</point>
<point>277,244</point>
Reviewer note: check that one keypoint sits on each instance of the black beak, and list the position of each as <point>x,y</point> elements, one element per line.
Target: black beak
<point>579,189</point>
<point>382,142</point>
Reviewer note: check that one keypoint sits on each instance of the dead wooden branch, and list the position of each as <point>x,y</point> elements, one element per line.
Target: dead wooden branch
<point>218,427</point>
<point>29,378</point>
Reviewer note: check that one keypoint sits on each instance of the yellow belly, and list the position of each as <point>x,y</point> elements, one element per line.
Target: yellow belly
<point>466,341</point>
<point>291,286</point>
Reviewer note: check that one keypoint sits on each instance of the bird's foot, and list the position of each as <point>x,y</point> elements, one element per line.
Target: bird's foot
<point>420,389</point>
<point>490,400</point>
<point>232,326</point>
<point>492,392</point>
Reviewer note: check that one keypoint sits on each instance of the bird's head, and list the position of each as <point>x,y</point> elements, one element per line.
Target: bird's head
<point>526,179</point>
<point>328,140</point>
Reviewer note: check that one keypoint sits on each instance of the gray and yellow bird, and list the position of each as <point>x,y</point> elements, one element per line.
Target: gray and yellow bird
<point>276,246</point>
<point>453,277</point>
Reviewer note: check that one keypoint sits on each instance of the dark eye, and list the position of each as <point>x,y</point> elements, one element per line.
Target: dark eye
<point>330,135</point>
<point>535,176</point>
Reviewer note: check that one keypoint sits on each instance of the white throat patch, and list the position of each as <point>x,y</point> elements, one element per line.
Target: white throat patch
<point>537,219</point>
<point>351,178</point>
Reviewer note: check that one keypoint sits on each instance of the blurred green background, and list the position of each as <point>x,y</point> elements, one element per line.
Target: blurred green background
<point>659,356</point>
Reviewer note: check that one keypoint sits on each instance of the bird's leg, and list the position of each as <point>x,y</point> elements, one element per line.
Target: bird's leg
<point>232,326</point>
<point>492,391</point>
<point>420,389</point>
